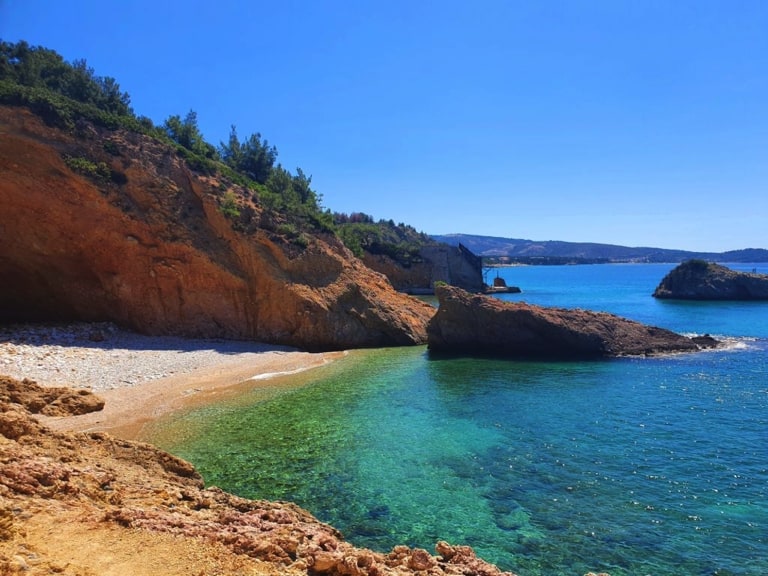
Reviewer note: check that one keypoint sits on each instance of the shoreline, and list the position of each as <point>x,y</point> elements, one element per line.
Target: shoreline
<point>142,378</point>
<point>128,410</point>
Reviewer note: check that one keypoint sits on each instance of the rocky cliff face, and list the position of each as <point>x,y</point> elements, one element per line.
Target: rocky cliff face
<point>143,242</point>
<point>442,263</point>
<point>700,280</point>
<point>477,324</point>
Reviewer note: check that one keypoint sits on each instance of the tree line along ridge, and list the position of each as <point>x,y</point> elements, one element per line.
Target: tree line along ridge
<point>62,93</point>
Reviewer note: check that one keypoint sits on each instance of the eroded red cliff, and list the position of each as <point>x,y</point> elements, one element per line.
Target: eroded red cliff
<point>149,248</point>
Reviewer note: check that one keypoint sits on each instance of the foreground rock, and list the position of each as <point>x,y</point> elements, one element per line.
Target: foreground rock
<point>700,280</point>
<point>476,324</point>
<point>144,243</point>
<point>48,401</point>
<point>84,504</point>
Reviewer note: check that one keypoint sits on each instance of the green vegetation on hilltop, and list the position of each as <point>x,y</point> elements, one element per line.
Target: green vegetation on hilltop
<point>43,69</point>
<point>360,232</point>
<point>60,92</point>
<point>697,264</point>
<point>63,93</point>
<point>254,157</point>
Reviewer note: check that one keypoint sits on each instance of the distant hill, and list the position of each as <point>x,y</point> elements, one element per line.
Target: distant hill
<point>558,252</point>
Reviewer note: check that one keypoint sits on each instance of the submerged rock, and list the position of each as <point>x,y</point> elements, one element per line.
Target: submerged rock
<point>701,280</point>
<point>482,325</point>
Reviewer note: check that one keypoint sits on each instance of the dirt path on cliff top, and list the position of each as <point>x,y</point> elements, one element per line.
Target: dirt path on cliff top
<point>62,543</point>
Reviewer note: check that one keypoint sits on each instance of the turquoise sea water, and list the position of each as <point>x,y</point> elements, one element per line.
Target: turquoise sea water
<point>632,466</point>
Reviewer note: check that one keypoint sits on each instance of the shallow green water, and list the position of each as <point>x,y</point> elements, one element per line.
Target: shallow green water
<point>634,466</point>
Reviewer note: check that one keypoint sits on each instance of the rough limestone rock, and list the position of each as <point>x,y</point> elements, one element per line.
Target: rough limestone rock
<point>149,248</point>
<point>48,400</point>
<point>476,324</point>
<point>700,280</point>
<point>93,492</point>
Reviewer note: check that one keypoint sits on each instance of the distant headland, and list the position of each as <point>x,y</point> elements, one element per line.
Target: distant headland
<point>519,251</point>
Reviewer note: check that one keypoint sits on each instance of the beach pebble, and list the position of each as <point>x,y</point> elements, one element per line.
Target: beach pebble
<point>101,356</point>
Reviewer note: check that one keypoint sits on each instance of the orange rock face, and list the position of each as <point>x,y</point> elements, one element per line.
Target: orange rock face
<point>150,249</point>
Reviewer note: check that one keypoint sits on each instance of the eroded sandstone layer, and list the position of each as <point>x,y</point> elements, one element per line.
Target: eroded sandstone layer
<point>476,324</point>
<point>143,242</point>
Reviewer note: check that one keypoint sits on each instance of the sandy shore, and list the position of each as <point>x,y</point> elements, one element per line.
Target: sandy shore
<point>140,377</point>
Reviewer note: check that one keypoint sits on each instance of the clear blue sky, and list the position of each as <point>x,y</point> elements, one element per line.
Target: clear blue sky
<point>641,123</point>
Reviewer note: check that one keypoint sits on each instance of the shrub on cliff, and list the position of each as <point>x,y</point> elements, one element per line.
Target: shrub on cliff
<point>695,264</point>
<point>64,93</point>
<point>41,68</point>
<point>253,157</point>
<point>361,234</point>
<point>95,170</point>
<point>229,206</point>
<point>61,111</point>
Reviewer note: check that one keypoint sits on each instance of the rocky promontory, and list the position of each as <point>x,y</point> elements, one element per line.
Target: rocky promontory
<point>483,325</point>
<point>701,280</point>
<point>110,225</point>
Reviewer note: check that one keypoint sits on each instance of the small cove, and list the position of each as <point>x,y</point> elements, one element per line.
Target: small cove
<point>632,466</point>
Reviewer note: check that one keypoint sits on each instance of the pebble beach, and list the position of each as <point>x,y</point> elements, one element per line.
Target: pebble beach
<point>101,356</point>
<point>140,377</point>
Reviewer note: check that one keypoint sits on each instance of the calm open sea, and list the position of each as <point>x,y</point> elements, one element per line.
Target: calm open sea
<point>632,466</point>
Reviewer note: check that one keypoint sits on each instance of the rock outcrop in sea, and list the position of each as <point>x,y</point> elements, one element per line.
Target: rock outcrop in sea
<point>483,325</point>
<point>701,280</point>
<point>138,238</point>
